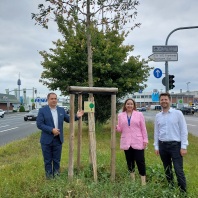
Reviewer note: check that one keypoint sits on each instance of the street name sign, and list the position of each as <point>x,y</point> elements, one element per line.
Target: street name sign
<point>157,73</point>
<point>160,57</point>
<point>165,48</point>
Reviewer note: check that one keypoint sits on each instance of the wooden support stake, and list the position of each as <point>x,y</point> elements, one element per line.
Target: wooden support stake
<point>113,135</point>
<point>79,132</point>
<point>92,141</point>
<point>71,138</point>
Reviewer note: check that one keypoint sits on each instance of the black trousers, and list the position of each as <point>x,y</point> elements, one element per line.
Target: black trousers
<point>134,155</point>
<point>170,153</point>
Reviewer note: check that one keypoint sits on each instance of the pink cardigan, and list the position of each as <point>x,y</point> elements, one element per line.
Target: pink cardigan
<point>135,134</point>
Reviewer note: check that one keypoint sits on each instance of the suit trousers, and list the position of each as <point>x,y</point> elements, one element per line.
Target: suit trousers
<point>52,156</point>
<point>134,155</point>
<point>170,153</point>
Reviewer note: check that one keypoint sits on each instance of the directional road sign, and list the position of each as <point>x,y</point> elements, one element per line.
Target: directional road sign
<point>157,73</point>
<point>160,57</point>
<point>165,48</point>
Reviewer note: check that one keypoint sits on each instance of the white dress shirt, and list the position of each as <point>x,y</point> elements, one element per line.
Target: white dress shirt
<point>170,126</point>
<point>55,117</point>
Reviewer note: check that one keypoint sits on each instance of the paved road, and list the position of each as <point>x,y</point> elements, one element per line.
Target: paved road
<point>13,127</point>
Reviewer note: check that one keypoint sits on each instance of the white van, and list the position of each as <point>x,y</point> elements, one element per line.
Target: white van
<point>155,107</point>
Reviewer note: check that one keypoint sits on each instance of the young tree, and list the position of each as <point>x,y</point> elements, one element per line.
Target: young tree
<point>116,13</point>
<point>112,65</point>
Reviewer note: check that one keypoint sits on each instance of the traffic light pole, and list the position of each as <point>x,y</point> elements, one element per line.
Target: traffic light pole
<point>166,63</point>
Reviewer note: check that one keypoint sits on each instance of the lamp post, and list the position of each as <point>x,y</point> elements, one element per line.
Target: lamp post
<point>188,91</point>
<point>166,62</point>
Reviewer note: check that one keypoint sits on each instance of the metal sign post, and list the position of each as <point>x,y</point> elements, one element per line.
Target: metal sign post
<point>166,43</point>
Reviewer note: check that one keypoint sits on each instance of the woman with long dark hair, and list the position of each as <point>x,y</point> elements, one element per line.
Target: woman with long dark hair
<point>134,138</point>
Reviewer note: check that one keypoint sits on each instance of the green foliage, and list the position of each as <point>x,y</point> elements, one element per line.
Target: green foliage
<point>108,64</point>
<point>22,170</point>
<point>113,12</point>
<point>66,64</point>
<point>21,109</point>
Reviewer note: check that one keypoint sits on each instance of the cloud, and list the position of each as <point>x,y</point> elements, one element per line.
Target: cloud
<point>158,19</point>
<point>20,43</point>
<point>21,40</point>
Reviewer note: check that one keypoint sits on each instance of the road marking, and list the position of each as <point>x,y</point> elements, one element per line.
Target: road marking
<point>191,125</point>
<point>9,129</point>
<point>4,126</point>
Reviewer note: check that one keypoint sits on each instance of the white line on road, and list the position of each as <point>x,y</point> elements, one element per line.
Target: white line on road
<point>4,126</point>
<point>9,129</point>
<point>191,125</point>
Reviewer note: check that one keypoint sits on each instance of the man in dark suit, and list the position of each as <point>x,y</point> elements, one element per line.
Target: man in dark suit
<point>50,121</point>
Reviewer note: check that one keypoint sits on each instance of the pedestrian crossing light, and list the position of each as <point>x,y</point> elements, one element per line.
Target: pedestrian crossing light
<point>171,82</point>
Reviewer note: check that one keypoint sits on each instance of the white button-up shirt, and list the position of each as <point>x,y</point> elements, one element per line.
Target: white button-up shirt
<point>55,117</point>
<point>170,126</point>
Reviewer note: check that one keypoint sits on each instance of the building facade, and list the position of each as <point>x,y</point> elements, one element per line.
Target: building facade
<point>146,99</point>
<point>8,102</point>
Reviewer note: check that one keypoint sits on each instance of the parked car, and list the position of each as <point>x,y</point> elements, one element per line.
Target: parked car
<point>141,109</point>
<point>195,108</point>
<point>2,113</point>
<point>156,107</point>
<point>66,109</point>
<point>32,115</point>
<point>187,110</point>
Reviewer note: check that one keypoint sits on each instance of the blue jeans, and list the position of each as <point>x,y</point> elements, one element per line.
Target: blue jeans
<point>52,156</point>
<point>170,153</point>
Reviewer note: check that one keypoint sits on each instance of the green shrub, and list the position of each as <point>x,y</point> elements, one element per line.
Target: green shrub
<point>21,109</point>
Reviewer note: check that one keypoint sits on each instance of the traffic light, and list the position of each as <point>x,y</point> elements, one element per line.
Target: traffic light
<point>171,81</point>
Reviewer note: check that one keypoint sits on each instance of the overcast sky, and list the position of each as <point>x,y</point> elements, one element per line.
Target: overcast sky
<point>21,40</point>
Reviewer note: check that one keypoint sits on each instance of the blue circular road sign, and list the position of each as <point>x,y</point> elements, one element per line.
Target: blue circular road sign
<point>157,73</point>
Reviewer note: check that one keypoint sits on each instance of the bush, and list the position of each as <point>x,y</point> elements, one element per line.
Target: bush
<point>21,109</point>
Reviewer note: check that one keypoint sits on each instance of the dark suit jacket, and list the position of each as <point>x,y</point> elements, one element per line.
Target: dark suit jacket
<point>45,123</point>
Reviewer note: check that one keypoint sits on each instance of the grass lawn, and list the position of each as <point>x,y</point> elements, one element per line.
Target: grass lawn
<point>22,170</point>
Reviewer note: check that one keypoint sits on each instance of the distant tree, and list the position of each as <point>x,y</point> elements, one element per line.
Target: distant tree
<point>21,109</point>
<point>66,64</point>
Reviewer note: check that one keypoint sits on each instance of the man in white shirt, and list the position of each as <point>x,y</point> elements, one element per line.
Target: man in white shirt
<point>171,140</point>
